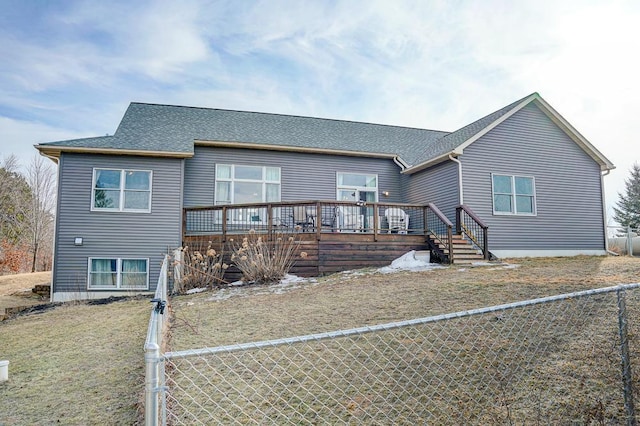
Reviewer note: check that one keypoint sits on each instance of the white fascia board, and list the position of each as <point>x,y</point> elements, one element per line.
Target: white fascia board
<point>575,135</point>
<point>457,151</point>
<point>460,148</point>
<point>268,147</point>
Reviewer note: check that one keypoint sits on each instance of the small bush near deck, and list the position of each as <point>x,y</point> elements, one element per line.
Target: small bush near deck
<point>263,262</point>
<point>199,269</point>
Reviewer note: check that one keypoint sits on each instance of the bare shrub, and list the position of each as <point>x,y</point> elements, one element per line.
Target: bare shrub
<point>263,262</point>
<point>200,269</point>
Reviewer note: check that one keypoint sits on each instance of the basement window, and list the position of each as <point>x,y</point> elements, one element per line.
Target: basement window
<point>118,274</point>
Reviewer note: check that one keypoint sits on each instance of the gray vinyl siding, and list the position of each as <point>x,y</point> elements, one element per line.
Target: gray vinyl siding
<point>114,234</point>
<point>303,176</point>
<point>567,184</point>
<point>438,185</point>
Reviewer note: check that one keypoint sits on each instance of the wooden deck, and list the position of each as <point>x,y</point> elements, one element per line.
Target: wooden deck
<point>332,252</point>
<point>336,235</point>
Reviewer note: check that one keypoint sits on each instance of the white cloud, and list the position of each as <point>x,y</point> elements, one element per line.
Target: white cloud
<point>433,64</point>
<point>19,137</point>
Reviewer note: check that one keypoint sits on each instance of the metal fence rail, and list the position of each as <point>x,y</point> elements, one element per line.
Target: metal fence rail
<point>554,360</point>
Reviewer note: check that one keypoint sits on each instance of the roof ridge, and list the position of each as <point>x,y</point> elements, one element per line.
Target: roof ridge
<point>288,115</point>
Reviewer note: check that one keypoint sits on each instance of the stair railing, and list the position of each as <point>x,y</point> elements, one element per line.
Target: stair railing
<point>471,226</point>
<point>440,228</point>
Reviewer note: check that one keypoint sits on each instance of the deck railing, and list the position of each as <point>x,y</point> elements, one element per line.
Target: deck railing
<point>311,216</point>
<point>440,229</point>
<point>472,227</point>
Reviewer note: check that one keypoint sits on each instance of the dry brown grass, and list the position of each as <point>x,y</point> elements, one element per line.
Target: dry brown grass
<point>552,364</point>
<point>74,364</point>
<point>344,301</point>
<point>83,364</point>
<point>17,283</point>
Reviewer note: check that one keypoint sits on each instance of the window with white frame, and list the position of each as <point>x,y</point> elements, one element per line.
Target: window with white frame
<point>118,274</point>
<point>121,190</point>
<point>357,187</point>
<point>515,195</point>
<point>237,184</point>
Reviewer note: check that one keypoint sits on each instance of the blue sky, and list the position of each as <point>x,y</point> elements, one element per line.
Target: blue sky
<point>70,68</point>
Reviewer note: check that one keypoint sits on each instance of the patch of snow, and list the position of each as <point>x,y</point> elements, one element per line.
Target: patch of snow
<point>196,290</point>
<point>242,289</point>
<point>505,266</point>
<point>354,272</point>
<point>294,279</point>
<point>408,262</point>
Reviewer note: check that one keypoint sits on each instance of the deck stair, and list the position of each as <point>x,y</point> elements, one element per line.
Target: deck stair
<point>464,253</point>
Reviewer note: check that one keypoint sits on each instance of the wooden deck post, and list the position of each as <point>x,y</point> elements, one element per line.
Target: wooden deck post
<point>425,221</point>
<point>318,221</point>
<point>269,222</point>
<point>224,224</point>
<point>375,222</point>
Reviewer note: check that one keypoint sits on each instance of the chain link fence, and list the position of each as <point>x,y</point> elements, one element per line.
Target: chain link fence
<point>560,360</point>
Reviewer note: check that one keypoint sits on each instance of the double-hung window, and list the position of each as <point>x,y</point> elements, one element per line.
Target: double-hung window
<point>118,274</point>
<point>513,195</point>
<point>237,184</point>
<point>121,190</point>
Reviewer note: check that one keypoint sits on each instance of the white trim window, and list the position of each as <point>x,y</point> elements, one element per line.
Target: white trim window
<point>238,184</point>
<point>357,187</point>
<point>121,190</point>
<point>513,195</point>
<point>118,274</point>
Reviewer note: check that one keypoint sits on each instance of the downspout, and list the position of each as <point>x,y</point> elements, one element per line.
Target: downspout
<point>460,190</point>
<point>403,166</point>
<point>604,213</point>
<point>400,163</point>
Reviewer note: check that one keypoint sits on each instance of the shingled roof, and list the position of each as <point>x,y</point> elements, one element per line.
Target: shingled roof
<point>168,130</point>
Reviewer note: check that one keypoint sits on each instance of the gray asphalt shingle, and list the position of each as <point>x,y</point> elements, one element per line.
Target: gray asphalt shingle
<point>168,128</point>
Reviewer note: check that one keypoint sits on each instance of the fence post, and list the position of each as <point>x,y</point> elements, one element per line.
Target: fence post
<point>629,241</point>
<point>151,356</point>
<point>626,361</point>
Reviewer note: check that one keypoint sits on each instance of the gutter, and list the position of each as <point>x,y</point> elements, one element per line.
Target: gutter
<point>432,162</point>
<point>460,186</point>
<point>50,157</point>
<point>55,151</point>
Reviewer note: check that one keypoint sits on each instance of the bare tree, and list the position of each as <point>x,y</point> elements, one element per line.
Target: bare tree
<point>40,206</point>
<point>27,203</point>
<point>14,190</point>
